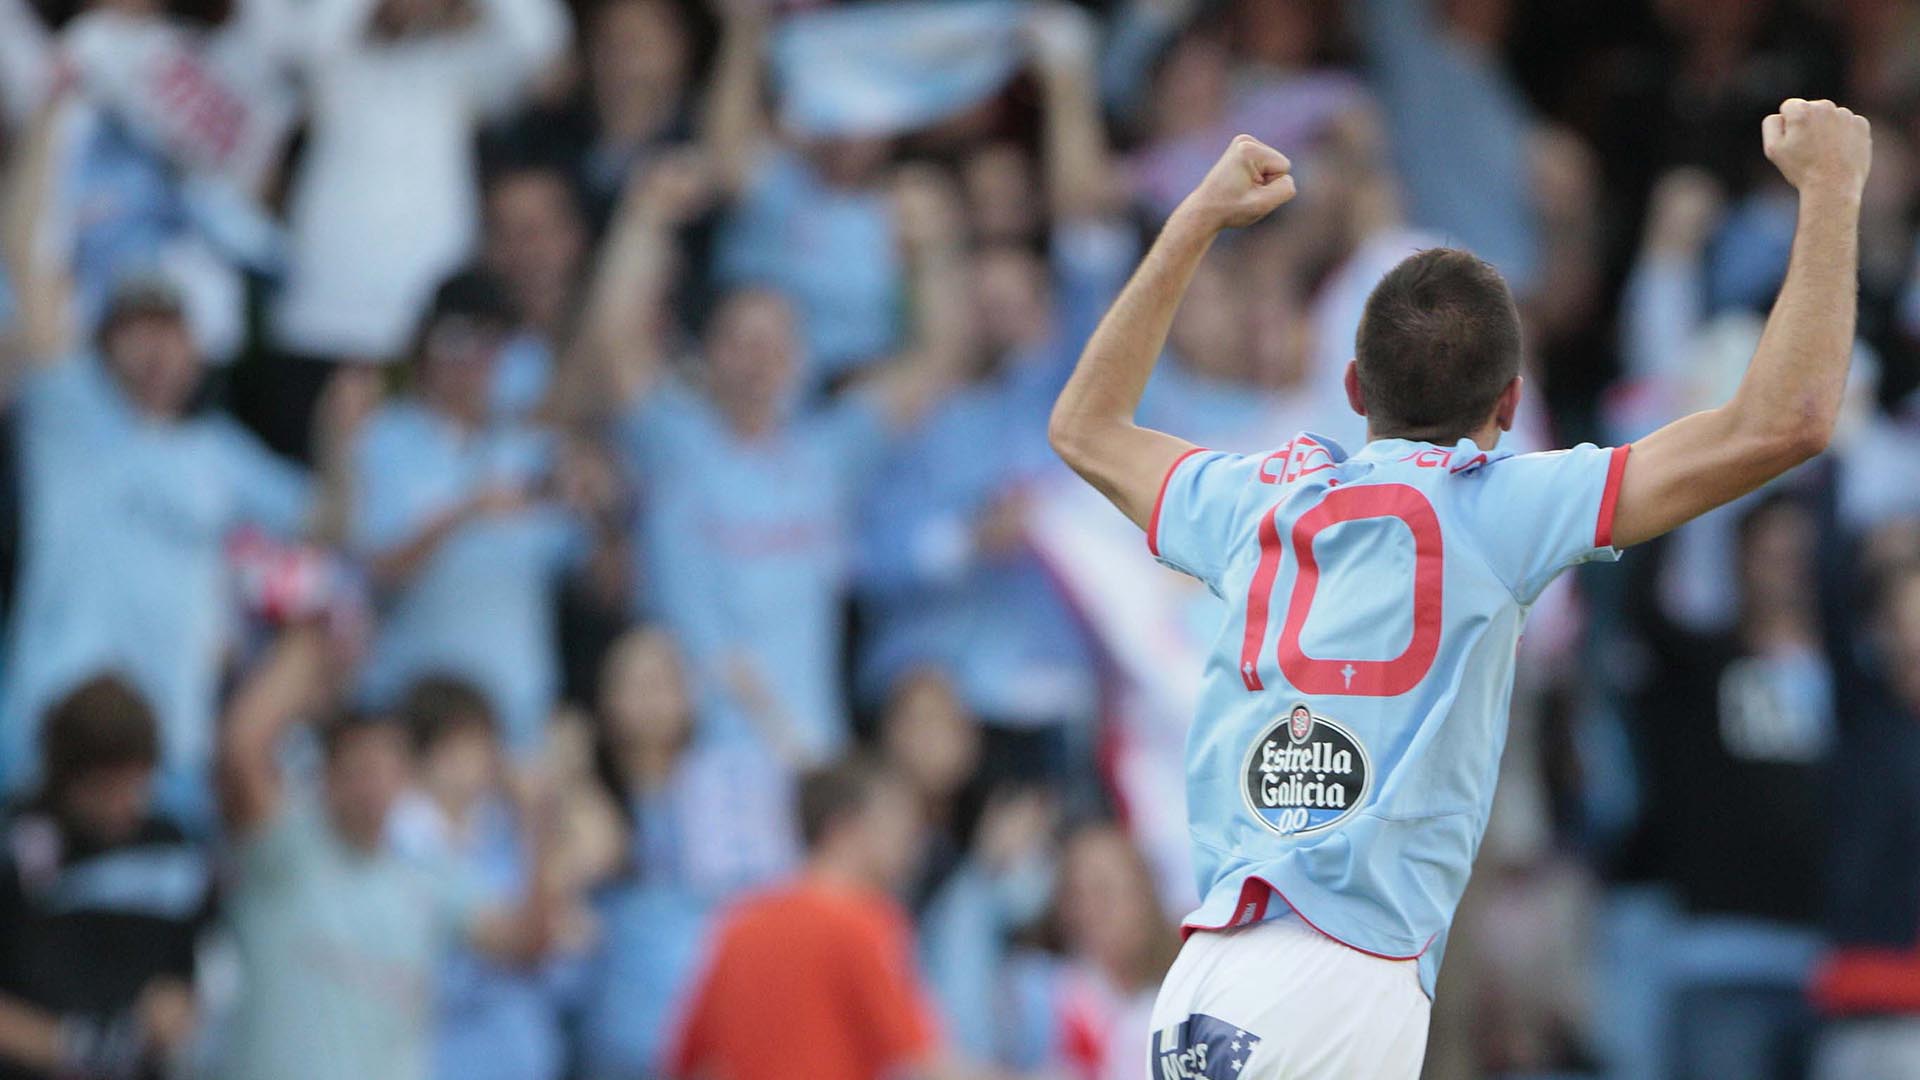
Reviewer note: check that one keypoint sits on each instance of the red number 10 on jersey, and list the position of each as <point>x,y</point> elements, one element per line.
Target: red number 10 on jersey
<point>1322,675</point>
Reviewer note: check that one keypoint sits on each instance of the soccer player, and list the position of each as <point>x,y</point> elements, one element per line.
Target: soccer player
<point>1341,767</point>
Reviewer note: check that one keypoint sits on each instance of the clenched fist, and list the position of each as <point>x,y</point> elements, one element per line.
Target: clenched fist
<point>1249,182</point>
<point>1819,146</point>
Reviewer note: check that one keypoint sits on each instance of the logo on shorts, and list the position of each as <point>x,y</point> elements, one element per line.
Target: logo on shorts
<point>1305,773</point>
<point>1202,1047</point>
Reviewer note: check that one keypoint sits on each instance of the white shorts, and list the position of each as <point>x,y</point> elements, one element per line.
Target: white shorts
<point>1278,1000</point>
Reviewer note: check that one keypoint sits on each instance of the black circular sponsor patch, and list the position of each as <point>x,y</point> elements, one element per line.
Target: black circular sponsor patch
<point>1305,773</point>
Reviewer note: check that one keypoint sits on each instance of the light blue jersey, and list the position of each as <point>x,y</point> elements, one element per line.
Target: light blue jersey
<point>123,565</point>
<point>1355,700</point>
<point>744,547</point>
<point>481,606</point>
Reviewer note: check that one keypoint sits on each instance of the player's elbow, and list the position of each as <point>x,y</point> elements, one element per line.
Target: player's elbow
<point>1785,448</point>
<point>1807,441</point>
<point>1784,439</point>
<point>1804,437</point>
<point>1067,434</point>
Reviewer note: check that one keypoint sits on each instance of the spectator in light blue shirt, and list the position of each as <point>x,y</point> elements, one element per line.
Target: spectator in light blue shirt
<point>829,243</point>
<point>944,571</point>
<point>339,938</point>
<point>814,221</point>
<point>467,523</point>
<point>534,237</point>
<point>706,822</point>
<point>494,1021</point>
<point>129,494</point>
<point>946,575</point>
<point>744,543</point>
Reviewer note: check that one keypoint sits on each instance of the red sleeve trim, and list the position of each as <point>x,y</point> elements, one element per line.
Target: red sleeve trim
<point>1153,522</point>
<point>1616,468</point>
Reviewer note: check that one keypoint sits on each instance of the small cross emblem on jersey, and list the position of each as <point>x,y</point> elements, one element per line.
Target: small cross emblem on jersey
<point>1348,673</point>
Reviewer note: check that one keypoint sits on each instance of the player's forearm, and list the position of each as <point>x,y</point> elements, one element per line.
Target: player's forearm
<point>1791,395</point>
<point>1105,389</point>
<point>1092,428</point>
<point>1784,411</point>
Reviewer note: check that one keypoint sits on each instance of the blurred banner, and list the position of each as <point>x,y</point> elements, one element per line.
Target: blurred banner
<point>210,103</point>
<point>880,69</point>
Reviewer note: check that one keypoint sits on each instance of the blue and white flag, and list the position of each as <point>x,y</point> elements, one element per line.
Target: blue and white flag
<point>211,103</point>
<point>879,69</point>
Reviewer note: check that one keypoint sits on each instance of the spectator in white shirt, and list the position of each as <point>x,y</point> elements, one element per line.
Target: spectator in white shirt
<point>385,203</point>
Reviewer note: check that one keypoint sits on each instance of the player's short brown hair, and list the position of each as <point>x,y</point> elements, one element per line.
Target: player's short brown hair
<point>1439,340</point>
<point>102,723</point>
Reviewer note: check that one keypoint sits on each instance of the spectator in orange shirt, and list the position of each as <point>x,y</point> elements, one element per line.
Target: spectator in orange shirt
<point>815,979</point>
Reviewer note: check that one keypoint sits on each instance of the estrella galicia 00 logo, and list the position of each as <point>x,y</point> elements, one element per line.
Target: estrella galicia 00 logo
<point>1305,773</point>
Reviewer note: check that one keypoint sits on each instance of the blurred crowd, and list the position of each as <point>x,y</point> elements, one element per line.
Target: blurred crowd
<point>529,549</point>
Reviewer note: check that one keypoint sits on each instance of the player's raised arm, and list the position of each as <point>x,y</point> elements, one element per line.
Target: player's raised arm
<point>1786,406</point>
<point>1092,427</point>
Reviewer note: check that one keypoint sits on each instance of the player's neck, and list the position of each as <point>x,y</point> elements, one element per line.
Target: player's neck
<point>1486,437</point>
